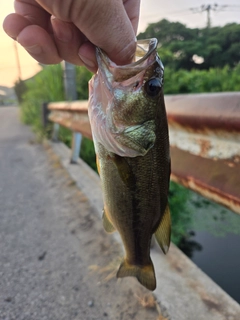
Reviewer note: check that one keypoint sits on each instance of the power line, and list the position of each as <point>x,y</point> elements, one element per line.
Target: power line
<point>156,16</point>
<point>215,7</point>
<point>209,8</point>
<point>231,10</point>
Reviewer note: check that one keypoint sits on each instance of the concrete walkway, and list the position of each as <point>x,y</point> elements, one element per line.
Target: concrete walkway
<point>56,263</point>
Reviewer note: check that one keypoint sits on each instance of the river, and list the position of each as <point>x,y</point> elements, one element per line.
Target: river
<point>214,243</point>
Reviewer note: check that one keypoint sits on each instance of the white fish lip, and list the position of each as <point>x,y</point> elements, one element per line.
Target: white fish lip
<point>145,56</point>
<point>143,51</point>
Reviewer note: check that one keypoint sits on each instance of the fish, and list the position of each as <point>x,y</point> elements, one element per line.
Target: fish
<point>130,133</point>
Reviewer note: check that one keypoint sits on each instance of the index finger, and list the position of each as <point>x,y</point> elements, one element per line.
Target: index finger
<point>33,12</point>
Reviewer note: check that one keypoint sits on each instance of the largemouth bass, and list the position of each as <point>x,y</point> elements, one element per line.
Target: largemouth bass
<point>130,132</point>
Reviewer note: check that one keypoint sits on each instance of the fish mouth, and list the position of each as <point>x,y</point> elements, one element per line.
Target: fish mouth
<point>145,56</point>
<point>143,51</point>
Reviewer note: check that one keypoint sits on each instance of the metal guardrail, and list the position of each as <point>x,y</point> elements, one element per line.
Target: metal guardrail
<point>204,132</point>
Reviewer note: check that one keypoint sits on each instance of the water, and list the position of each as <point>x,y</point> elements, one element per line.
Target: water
<point>214,243</point>
<point>220,259</point>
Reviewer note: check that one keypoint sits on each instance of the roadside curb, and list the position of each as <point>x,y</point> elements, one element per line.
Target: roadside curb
<point>182,288</point>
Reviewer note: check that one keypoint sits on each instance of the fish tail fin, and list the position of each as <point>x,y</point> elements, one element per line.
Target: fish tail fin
<point>144,274</point>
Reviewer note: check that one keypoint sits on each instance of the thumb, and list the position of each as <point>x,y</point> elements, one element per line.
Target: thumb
<point>105,23</point>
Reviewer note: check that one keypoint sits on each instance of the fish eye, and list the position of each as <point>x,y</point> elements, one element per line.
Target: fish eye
<point>153,87</point>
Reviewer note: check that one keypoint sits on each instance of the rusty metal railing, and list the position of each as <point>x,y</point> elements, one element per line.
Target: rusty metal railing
<point>204,134</point>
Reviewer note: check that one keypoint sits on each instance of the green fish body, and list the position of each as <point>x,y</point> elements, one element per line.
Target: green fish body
<point>130,133</point>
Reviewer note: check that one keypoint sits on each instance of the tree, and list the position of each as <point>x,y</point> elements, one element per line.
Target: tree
<point>218,46</point>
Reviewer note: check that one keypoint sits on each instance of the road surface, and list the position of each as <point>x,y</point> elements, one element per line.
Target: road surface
<point>56,262</point>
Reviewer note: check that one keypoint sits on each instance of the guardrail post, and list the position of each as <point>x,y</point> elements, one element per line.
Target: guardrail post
<point>55,132</point>
<point>45,113</point>
<point>76,145</point>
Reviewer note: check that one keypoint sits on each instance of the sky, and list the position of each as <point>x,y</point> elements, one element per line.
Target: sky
<point>151,11</point>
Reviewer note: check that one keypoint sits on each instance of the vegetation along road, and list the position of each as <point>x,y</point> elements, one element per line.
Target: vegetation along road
<point>55,260</point>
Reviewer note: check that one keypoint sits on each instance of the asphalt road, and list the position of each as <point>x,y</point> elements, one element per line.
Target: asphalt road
<point>56,262</point>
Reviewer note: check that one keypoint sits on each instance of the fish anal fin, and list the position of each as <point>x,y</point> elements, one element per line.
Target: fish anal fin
<point>107,225</point>
<point>163,232</point>
<point>144,274</point>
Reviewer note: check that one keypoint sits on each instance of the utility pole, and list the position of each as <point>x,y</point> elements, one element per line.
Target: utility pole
<point>208,8</point>
<point>17,60</point>
<point>70,81</point>
<point>71,95</point>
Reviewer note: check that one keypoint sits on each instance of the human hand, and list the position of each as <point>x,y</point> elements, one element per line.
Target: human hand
<point>55,30</point>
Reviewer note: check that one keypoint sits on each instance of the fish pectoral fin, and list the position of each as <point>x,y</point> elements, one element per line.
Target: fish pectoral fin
<point>163,232</point>
<point>144,274</point>
<point>107,225</point>
<point>124,170</point>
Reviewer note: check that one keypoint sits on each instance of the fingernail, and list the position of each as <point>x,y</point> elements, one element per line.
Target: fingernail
<point>62,30</point>
<point>36,49</point>
<point>87,62</point>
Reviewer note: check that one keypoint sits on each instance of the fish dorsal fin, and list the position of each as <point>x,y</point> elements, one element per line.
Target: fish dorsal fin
<point>163,232</point>
<point>107,225</point>
<point>144,274</point>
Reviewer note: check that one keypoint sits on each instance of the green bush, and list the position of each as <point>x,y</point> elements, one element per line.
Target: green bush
<point>20,88</point>
<point>65,135</point>
<point>218,46</point>
<point>82,78</point>
<point>180,214</point>
<point>46,86</point>
<point>196,81</point>
<point>87,152</point>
